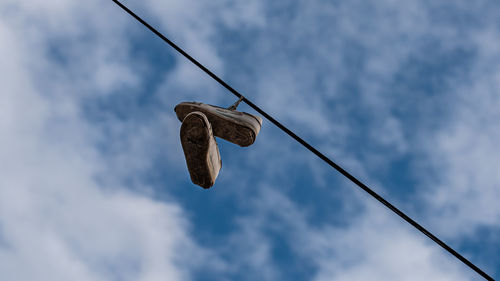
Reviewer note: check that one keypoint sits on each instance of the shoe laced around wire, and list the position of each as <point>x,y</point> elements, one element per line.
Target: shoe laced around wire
<point>240,128</point>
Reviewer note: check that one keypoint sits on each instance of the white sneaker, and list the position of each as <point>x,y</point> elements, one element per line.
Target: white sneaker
<point>200,149</point>
<point>237,127</point>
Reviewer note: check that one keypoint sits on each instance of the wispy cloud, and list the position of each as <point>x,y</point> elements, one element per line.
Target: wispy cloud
<point>87,132</point>
<point>58,220</point>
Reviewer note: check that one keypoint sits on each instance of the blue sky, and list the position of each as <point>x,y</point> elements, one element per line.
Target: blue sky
<point>403,95</point>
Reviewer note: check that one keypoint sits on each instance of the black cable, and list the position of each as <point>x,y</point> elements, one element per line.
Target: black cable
<point>311,148</point>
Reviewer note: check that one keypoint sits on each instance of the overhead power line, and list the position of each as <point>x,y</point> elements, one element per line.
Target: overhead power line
<point>310,147</point>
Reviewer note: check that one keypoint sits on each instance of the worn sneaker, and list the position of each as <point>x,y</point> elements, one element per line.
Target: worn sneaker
<point>237,127</point>
<point>200,149</point>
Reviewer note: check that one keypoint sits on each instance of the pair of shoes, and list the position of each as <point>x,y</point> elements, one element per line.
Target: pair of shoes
<point>201,123</point>
<point>237,127</point>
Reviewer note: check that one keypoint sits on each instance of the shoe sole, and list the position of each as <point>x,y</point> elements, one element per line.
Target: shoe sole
<point>225,123</point>
<point>195,139</point>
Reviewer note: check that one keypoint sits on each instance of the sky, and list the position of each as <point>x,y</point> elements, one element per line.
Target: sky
<point>404,95</point>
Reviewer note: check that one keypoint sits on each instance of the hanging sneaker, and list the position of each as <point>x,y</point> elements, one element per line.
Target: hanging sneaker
<point>234,126</point>
<point>200,149</point>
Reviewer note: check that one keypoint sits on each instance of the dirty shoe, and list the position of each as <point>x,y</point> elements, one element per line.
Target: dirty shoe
<point>237,127</point>
<point>200,149</point>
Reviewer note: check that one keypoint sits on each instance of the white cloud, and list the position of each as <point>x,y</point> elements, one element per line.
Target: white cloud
<point>373,245</point>
<point>466,151</point>
<point>57,220</point>
<point>379,247</point>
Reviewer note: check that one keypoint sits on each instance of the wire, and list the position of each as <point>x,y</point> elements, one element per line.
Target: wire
<point>309,147</point>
